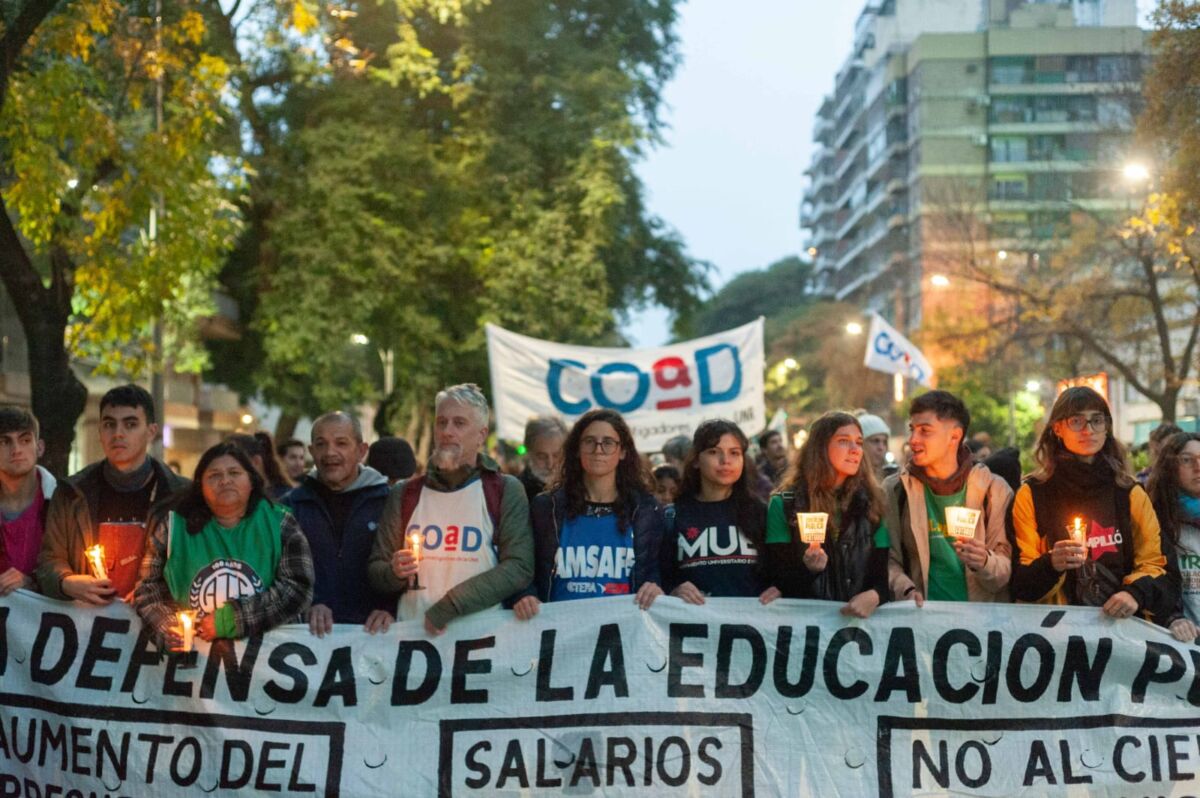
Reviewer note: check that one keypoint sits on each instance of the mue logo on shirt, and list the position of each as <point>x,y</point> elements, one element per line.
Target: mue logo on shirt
<point>222,581</point>
<point>714,541</point>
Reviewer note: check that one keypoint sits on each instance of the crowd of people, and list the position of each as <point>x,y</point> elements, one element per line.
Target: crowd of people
<point>367,536</point>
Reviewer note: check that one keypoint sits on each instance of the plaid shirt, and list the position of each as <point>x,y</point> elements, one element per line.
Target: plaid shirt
<point>284,602</point>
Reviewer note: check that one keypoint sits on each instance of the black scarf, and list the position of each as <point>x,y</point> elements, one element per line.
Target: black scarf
<point>951,484</point>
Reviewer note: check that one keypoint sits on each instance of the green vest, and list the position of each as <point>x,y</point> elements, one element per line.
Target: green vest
<point>217,565</point>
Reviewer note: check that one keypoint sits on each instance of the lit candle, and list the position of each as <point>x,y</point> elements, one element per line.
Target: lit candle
<point>187,622</point>
<point>95,556</point>
<point>1077,530</point>
<point>415,541</point>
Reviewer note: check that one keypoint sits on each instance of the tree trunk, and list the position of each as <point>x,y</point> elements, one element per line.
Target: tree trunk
<point>59,398</point>
<point>1167,402</point>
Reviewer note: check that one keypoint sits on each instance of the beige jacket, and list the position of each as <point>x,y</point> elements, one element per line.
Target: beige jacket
<point>908,562</point>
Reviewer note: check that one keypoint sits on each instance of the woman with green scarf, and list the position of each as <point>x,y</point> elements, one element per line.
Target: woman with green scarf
<point>227,552</point>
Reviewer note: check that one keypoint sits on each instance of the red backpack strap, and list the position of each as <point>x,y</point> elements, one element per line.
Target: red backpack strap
<point>493,496</point>
<point>408,502</point>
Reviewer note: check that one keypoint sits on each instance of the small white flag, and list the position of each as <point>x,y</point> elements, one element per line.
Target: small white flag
<point>889,351</point>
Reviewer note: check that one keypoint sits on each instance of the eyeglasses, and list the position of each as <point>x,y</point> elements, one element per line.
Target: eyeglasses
<point>1096,421</point>
<point>604,445</point>
<point>1189,461</point>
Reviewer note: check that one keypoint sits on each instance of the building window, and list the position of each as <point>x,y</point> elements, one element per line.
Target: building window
<point>1009,70</point>
<point>1009,149</point>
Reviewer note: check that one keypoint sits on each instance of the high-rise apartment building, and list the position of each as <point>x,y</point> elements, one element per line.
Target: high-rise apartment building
<point>1021,108</point>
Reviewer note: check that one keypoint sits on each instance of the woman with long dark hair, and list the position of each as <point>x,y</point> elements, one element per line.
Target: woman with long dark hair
<point>829,475</point>
<point>716,530</point>
<point>224,549</point>
<point>1174,488</point>
<point>261,450</point>
<point>1085,531</point>
<point>598,531</point>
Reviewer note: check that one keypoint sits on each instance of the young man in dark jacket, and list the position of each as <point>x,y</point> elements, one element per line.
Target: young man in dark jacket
<point>338,508</point>
<point>107,504</point>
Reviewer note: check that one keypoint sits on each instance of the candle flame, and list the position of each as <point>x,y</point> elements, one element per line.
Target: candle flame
<point>415,540</point>
<point>95,555</point>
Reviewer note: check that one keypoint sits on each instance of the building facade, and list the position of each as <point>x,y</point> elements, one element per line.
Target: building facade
<point>1019,112</point>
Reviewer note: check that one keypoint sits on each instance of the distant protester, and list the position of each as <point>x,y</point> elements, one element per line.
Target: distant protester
<point>393,457</point>
<point>544,436</point>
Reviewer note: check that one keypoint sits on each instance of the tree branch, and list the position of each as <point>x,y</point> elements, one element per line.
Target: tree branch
<point>17,36</point>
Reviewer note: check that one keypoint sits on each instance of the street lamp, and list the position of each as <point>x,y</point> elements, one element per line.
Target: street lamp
<point>1135,172</point>
<point>1033,386</point>
<point>940,281</point>
<point>854,328</point>
<point>385,356</point>
<point>790,364</point>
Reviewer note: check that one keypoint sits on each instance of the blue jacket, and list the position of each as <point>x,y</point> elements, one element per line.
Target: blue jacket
<point>341,569</point>
<point>547,514</point>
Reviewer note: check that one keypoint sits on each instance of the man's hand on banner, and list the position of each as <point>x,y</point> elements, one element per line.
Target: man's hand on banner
<point>815,558</point>
<point>646,595</point>
<point>378,621</point>
<point>769,595</point>
<point>320,620</point>
<point>1120,605</point>
<point>526,608</point>
<point>89,589</point>
<point>689,593</point>
<point>862,605</point>
<point>1067,555</point>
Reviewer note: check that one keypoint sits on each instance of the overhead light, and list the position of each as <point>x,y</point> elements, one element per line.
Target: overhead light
<point>812,252</point>
<point>1033,386</point>
<point>360,339</point>
<point>790,363</point>
<point>940,280</point>
<point>854,328</point>
<point>247,419</point>
<point>1002,254</point>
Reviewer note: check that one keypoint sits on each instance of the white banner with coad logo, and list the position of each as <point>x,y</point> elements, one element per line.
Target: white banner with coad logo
<point>598,698</point>
<point>662,392</point>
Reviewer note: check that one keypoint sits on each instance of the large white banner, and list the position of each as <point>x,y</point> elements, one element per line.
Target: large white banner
<point>662,392</point>
<point>891,352</point>
<point>597,697</point>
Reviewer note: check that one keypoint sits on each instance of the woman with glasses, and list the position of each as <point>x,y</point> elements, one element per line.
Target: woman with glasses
<point>1174,487</point>
<point>829,476</point>
<point>1086,532</point>
<point>598,531</point>
<point>716,528</point>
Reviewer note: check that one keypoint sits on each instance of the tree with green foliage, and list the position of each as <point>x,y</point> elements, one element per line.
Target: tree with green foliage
<point>479,170</point>
<point>780,293</point>
<point>1170,124</point>
<point>82,165</point>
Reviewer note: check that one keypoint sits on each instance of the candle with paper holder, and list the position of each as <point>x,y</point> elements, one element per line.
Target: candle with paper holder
<point>961,522</point>
<point>812,526</point>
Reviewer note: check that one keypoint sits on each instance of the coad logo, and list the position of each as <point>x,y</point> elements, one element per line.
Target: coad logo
<point>625,388</point>
<point>454,538</point>
<point>884,345</point>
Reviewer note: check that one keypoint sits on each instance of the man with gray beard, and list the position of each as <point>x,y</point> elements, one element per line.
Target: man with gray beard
<point>456,540</point>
